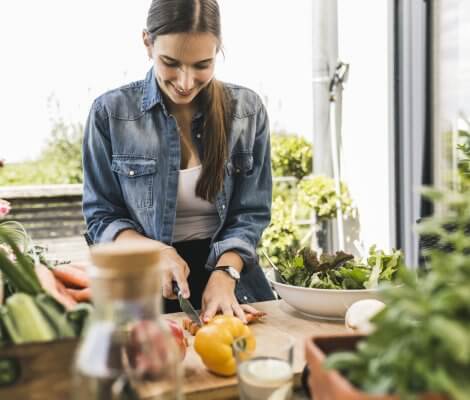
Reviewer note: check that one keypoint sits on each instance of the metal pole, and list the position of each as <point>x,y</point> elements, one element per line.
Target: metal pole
<point>336,101</point>
<point>325,56</point>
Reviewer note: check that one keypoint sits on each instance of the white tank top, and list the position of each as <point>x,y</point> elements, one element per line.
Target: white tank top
<point>195,218</point>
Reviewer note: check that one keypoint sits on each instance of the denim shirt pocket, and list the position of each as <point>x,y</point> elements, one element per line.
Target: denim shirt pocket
<point>240,163</point>
<point>136,175</point>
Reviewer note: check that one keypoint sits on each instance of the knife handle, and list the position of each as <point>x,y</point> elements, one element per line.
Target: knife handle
<point>175,287</point>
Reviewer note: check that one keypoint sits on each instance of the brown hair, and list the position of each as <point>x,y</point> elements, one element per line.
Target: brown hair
<point>186,16</point>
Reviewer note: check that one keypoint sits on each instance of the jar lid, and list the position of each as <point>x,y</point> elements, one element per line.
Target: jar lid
<point>124,257</point>
<point>124,269</point>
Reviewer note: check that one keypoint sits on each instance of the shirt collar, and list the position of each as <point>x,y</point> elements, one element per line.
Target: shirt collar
<point>151,93</point>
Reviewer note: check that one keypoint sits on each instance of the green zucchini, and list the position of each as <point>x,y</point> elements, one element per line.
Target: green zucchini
<point>28,322</point>
<point>55,314</point>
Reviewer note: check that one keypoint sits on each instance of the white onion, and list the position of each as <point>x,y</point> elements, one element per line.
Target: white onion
<point>360,313</point>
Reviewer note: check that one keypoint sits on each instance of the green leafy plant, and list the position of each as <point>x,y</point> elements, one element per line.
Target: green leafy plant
<point>15,262</point>
<point>318,194</point>
<point>283,235</point>
<point>421,341</point>
<point>291,155</point>
<point>464,159</point>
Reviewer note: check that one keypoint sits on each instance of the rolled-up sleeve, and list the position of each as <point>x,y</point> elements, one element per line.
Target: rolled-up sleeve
<point>103,205</point>
<point>249,210</point>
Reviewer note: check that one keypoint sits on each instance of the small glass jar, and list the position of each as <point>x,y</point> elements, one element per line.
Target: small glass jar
<point>126,344</point>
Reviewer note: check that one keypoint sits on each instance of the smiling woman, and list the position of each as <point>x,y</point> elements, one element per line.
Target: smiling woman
<point>182,159</point>
<point>182,80</point>
<point>184,66</point>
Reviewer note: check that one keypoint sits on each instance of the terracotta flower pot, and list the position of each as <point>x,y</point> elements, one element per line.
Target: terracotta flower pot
<point>331,385</point>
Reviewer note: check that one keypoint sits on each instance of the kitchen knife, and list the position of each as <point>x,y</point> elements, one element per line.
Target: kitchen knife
<point>186,305</point>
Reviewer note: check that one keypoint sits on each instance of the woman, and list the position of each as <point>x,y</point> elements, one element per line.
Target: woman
<point>183,159</point>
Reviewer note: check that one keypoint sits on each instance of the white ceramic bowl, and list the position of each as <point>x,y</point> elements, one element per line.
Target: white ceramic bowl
<point>321,303</point>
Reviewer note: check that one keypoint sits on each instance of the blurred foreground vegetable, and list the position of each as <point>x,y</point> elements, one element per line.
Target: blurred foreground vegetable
<point>25,319</point>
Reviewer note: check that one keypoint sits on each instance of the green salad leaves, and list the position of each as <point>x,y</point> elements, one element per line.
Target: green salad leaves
<point>340,270</point>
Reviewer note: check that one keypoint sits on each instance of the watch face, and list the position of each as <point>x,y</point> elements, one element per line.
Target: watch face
<point>233,273</point>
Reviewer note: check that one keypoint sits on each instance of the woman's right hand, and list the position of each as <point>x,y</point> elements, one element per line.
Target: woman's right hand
<point>174,268</point>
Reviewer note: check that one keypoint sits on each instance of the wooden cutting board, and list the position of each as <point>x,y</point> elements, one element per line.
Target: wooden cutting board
<point>201,384</point>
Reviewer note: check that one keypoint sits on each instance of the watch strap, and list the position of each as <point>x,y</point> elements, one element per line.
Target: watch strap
<point>226,269</point>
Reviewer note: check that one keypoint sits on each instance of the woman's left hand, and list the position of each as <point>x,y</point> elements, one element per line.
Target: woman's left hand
<point>219,295</point>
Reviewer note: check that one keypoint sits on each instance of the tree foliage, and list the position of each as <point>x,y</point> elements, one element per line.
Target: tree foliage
<point>318,194</point>
<point>291,155</point>
<point>60,162</point>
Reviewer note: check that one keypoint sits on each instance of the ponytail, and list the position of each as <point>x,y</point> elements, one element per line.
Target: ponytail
<point>217,106</point>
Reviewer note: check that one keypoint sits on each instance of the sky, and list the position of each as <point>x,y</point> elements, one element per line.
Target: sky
<point>74,51</point>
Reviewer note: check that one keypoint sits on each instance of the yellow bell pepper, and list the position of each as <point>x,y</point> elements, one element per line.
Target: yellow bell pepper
<point>213,343</point>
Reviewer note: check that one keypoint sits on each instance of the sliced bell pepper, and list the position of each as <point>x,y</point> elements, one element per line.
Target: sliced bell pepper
<point>213,343</point>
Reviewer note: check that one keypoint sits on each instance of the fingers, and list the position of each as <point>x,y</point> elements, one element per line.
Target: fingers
<point>212,308</point>
<point>210,311</point>
<point>167,287</point>
<point>249,309</point>
<point>174,269</point>
<point>180,275</point>
<point>239,313</point>
<point>226,309</point>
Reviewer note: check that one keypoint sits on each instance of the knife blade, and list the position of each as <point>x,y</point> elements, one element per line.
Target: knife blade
<point>186,305</point>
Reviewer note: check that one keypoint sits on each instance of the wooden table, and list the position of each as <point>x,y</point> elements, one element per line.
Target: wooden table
<point>45,367</point>
<point>201,384</point>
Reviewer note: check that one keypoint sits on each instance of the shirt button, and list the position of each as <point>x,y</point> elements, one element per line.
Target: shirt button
<point>237,170</point>
<point>198,135</point>
<point>245,298</point>
<point>131,173</point>
<point>223,206</point>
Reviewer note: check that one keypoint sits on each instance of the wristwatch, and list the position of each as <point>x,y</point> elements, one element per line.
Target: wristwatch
<point>232,272</point>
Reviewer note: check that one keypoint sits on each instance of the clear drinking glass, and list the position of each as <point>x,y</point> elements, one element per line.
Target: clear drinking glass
<point>267,372</point>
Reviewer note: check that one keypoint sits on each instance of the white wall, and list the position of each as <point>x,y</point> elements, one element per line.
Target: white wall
<point>363,42</point>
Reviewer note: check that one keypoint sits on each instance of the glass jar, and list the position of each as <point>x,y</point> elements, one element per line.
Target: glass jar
<point>126,345</point>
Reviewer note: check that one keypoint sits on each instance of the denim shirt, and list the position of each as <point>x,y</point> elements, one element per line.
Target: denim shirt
<point>131,158</point>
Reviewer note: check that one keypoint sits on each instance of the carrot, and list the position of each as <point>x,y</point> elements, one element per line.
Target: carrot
<point>186,323</point>
<point>254,317</point>
<point>64,297</point>
<point>80,295</point>
<point>53,286</point>
<point>193,329</point>
<point>71,276</point>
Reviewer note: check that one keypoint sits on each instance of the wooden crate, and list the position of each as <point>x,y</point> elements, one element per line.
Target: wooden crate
<point>42,371</point>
